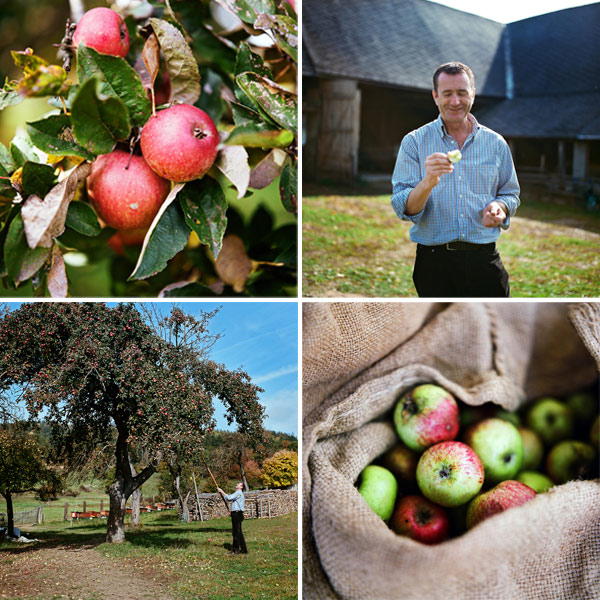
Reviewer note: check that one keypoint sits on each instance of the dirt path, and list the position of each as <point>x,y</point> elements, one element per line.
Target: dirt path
<point>76,573</point>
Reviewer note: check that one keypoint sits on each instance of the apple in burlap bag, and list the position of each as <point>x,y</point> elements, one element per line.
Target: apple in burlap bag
<point>357,359</point>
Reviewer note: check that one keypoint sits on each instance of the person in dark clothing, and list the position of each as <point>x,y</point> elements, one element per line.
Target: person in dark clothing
<point>238,504</point>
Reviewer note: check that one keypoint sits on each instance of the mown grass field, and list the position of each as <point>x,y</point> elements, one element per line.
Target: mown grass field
<point>354,245</point>
<point>163,559</point>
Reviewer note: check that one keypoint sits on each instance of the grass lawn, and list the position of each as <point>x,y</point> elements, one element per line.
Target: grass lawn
<point>354,245</point>
<point>164,559</point>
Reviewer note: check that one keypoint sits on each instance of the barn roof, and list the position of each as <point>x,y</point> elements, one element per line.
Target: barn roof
<point>400,42</point>
<point>546,67</point>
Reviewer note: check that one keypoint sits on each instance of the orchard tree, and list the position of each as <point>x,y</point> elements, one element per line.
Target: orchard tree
<point>22,467</point>
<point>93,370</point>
<point>281,469</point>
<point>173,109</point>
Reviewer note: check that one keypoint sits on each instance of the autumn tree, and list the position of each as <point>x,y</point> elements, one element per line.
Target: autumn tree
<point>94,370</point>
<point>22,467</point>
<point>281,469</point>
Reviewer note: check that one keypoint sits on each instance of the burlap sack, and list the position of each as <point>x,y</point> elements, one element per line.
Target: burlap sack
<point>357,359</point>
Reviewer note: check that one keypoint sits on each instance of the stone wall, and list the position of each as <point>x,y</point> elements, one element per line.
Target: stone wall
<point>261,504</point>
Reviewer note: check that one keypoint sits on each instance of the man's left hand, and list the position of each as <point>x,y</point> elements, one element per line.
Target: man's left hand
<point>494,214</point>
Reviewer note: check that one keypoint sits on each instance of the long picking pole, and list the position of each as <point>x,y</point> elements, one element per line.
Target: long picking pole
<point>214,481</point>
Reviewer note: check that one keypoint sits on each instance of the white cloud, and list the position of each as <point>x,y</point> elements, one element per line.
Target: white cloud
<point>274,374</point>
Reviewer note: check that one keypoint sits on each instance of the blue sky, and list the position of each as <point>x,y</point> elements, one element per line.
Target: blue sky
<point>261,338</point>
<point>510,10</point>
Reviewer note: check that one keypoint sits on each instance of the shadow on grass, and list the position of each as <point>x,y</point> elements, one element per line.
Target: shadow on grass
<point>156,534</point>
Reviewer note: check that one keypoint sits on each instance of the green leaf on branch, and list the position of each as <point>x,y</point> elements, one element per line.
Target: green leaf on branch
<point>254,135</point>
<point>37,178</point>
<point>9,97</point>
<point>248,10</point>
<point>284,30</point>
<point>54,135</point>
<point>22,150</point>
<point>167,236</point>
<point>204,207</point>
<point>99,120</point>
<point>117,79</point>
<point>181,64</point>
<point>22,262</point>
<point>82,218</point>
<point>246,60</point>
<point>27,61</point>
<point>7,164</point>
<point>271,99</point>
<point>288,188</point>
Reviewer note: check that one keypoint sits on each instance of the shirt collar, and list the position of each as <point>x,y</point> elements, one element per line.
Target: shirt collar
<point>442,127</point>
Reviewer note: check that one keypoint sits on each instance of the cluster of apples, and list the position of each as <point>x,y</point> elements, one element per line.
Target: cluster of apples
<point>430,486</point>
<point>178,144</point>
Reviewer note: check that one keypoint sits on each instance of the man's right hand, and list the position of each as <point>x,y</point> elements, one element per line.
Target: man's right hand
<point>436,165</point>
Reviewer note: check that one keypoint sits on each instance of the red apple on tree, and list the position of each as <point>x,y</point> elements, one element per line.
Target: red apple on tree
<point>103,30</point>
<point>180,142</point>
<point>505,495</point>
<point>421,520</point>
<point>126,197</point>
<point>426,415</point>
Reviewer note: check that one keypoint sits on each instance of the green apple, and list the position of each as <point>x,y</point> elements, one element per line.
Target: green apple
<point>536,481</point>
<point>595,433</point>
<point>499,445</point>
<point>378,487</point>
<point>569,459</point>
<point>506,415</point>
<point>505,495</point>
<point>583,405</point>
<point>533,449</point>
<point>551,420</point>
<point>449,473</point>
<point>426,415</point>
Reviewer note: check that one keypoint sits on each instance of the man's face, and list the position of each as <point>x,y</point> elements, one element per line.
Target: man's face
<point>239,486</point>
<point>454,97</point>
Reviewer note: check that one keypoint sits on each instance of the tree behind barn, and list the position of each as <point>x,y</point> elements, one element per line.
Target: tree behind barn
<point>92,368</point>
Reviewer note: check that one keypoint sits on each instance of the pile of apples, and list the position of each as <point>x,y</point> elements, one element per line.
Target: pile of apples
<point>430,486</point>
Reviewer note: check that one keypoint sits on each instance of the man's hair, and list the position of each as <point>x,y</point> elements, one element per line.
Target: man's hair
<point>453,68</point>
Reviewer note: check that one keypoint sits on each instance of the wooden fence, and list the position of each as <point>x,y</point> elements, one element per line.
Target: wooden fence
<point>261,504</point>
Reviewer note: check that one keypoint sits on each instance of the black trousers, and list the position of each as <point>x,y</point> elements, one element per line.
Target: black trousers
<point>460,270</point>
<point>239,543</point>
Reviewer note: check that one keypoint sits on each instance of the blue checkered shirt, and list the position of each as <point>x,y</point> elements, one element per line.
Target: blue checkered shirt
<point>239,502</point>
<point>454,210</point>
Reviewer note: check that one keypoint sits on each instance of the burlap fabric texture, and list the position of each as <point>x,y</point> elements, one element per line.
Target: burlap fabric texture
<point>357,359</point>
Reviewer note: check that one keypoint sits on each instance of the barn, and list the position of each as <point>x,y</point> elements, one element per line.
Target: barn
<point>367,69</point>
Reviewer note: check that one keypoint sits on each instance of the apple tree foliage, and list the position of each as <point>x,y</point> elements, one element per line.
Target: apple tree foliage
<point>22,466</point>
<point>198,245</point>
<point>89,370</point>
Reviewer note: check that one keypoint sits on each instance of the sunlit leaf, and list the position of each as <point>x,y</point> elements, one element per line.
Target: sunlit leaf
<point>181,64</point>
<point>233,163</point>
<point>58,285</point>
<point>44,219</point>
<point>248,10</point>
<point>273,100</point>
<point>268,169</point>
<point>285,31</point>
<point>233,264</point>
<point>253,135</point>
